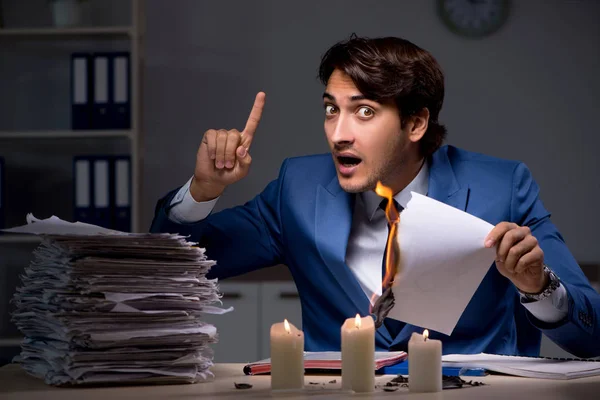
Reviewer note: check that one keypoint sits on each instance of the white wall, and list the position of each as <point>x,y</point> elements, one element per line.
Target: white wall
<point>529,92</point>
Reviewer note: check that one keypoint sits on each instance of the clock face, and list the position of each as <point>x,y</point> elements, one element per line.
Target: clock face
<point>474,18</point>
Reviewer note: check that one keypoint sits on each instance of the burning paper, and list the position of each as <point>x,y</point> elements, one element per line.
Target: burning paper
<point>443,260</point>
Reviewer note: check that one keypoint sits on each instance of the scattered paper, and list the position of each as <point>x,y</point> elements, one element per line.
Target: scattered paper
<point>442,262</point>
<point>57,226</point>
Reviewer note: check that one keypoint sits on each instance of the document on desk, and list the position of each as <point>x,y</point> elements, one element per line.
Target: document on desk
<point>101,306</point>
<point>531,367</point>
<point>442,262</point>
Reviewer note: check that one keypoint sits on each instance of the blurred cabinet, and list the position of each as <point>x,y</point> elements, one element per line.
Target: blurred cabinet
<point>244,333</point>
<point>238,330</point>
<point>278,301</point>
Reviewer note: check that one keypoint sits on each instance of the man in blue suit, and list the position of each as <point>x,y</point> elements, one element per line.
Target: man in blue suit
<point>321,218</point>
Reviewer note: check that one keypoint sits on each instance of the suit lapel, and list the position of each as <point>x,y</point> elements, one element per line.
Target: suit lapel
<point>443,185</point>
<point>333,222</point>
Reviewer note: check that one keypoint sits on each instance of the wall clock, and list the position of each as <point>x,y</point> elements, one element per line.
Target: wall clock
<point>474,18</point>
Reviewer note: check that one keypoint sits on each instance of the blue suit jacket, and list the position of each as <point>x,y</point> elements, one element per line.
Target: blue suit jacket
<point>303,218</point>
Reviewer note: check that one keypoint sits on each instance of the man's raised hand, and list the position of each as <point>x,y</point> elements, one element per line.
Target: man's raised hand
<point>223,157</point>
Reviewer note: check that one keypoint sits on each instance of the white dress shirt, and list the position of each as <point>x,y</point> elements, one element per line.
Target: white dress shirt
<point>367,240</point>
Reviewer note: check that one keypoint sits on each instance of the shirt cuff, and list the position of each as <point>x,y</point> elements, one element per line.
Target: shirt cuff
<point>551,309</point>
<point>184,209</point>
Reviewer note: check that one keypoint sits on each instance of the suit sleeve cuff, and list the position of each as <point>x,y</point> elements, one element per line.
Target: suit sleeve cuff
<point>551,309</point>
<point>184,209</point>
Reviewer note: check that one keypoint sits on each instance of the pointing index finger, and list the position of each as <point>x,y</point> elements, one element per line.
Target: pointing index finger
<point>253,119</point>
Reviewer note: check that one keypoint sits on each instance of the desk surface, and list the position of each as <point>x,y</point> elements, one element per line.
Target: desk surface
<point>16,384</point>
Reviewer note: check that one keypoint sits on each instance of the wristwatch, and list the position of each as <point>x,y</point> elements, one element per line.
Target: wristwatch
<point>553,284</point>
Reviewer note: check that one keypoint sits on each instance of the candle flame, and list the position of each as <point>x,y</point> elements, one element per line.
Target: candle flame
<point>425,334</point>
<point>393,217</point>
<point>357,321</point>
<point>286,325</point>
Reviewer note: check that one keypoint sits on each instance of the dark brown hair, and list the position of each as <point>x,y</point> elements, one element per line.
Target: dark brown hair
<point>393,69</point>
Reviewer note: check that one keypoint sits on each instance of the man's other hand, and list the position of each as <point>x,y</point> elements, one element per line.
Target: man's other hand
<point>518,256</point>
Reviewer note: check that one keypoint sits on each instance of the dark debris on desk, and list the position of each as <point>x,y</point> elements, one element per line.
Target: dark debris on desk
<point>400,379</point>
<point>242,385</point>
<point>448,382</point>
<point>323,383</point>
<point>456,382</point>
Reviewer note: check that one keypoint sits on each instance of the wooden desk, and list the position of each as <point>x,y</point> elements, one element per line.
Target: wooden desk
<point>16,384</point>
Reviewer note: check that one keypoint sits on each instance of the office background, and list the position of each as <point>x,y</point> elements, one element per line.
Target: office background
<point>527,92</point>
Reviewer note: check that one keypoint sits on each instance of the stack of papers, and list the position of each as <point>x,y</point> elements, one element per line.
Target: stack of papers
<point>99,306</point>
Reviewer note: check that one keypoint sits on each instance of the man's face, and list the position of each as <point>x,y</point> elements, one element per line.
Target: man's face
<point>365,137</point>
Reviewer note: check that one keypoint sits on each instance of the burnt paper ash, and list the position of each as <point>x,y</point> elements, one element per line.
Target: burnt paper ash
<point>382,306</point>
<point>393,385</point>
<point>448,382</point>
<point>399,379</point>
<point>456,382</point>
<point>242,385</point>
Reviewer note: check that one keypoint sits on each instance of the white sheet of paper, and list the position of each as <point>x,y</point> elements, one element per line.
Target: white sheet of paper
<point>121,297</point>
<point>442,262</point>
<point>56,226</point>
<point>207,329</point>
<point>533,367</point>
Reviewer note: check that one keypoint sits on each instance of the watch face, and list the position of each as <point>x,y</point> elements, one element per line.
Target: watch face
<point>474,18</point>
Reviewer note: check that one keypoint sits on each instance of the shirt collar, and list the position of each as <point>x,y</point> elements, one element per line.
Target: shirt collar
<point>420,184</point>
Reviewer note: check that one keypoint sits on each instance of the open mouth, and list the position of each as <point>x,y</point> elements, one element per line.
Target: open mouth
<point>348,161</point>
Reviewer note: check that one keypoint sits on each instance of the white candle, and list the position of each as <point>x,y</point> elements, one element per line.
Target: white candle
<point>424,363</point>
<point>358,354</point>
<point>287,356</point>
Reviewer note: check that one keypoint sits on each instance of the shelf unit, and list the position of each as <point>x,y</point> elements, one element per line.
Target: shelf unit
<point>134,33</point>
<point>57,134</point>
<point>11,342</point>
<point>19,238</point>
<point>66,32</point>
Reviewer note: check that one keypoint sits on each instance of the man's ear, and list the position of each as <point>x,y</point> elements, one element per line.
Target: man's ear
<point>417,125</point>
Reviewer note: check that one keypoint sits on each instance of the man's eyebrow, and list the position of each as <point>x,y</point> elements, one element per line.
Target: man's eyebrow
<point>352,98</point>
<point>358,97</point>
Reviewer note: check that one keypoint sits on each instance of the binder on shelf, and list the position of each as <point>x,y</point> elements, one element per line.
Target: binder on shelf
<point>81,96</point>
<point>122,193</point>
<point>120,106</point>
<point>102,192</point>
<point>82,189</point>
<point>2,193</point>
<point>101,89</point>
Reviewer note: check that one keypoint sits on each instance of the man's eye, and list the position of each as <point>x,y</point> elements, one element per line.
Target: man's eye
<point>365,112</point>
<point>330,110</point>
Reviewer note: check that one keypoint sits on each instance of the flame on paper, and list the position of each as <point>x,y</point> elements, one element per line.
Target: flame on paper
<point>393,217</point>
